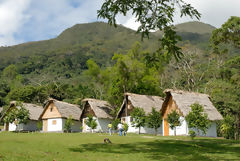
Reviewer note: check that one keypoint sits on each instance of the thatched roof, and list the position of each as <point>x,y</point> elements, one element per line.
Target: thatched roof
<point>184,99</point>
<point>65,109</point>
<point>146,102</point>
<point>34,110</point>
<point>101,108</point>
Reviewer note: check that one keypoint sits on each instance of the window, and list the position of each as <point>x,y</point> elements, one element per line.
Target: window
<point>54,122</point>
<point>131,119</point>
<point>51,109</point>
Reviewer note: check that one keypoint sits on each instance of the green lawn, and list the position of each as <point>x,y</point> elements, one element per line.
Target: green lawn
<point>83,147</point>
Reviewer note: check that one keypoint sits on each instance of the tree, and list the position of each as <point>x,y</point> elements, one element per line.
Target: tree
<point>229,33</point>
<point>139,118</point>
<point>173,119</point>
<point>152,15</point>
<point>197,119</point>
<point>18,116</point>
<point>91,122</point>
<point>115,124</point>
<point>125,128</point>
<point>68,124</point>
<point>227,127</point>
<point>10,117</point>
<point>39,125</point>
<point>154,119</point>
<point>10,72</point>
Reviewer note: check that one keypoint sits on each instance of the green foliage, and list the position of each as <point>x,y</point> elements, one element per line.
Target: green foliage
<point>227,127</point>
<point>173,119</point>
<point>34,94</point>
<point>192,134</point>
<point>227,34</point>
<point>68,124</point>
<point>115,124</point>
<point>197,119</point>
<point>10,72</point>
<point>22,116</point>
<point>39,125</point>
<point>152,15</point>
<point>139,118</point>
<point>91,122</point>
<point>18,116</point>
<point>125,127</point>
<point>10,117</point>
<point>154,119</point>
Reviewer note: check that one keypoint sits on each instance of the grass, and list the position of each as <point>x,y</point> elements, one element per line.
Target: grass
<point>79,146</point>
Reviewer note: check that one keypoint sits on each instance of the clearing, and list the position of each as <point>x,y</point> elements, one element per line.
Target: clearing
<point>80,146</point>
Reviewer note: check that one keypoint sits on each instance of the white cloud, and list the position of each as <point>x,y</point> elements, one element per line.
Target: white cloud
<point>31,20</point>
<point>214,12</point>
<point>12,17</point>
<point>51,17</point>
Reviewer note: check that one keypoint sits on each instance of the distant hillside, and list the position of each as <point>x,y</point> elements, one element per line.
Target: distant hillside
<point>195,27</point>
<point>65,56</point>
<point>195,32</point>
<point>93,39</point>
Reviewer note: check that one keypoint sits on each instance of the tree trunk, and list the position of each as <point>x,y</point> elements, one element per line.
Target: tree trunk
<point>175,131</point>
<point>237,128</point>
<point>139,130</point>
<point>155,132</point>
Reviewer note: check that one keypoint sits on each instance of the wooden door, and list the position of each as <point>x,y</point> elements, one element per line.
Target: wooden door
<point>45,125</point>
<point>166,128</point>
<point>6,126</point>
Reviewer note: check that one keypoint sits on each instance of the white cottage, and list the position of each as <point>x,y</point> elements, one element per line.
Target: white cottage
<point>181,101</point>
<point>34,113</point>
<point>55,114</point>
<point>145,102</point>
<point>100,110</point>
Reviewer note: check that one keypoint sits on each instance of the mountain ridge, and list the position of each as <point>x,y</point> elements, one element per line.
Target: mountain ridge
<point>77,44</point>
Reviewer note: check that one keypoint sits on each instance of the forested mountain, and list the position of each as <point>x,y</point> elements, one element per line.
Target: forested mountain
<point>99,61</point>
<point>65,56</point>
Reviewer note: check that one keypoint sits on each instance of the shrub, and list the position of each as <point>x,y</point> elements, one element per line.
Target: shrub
<point>192,134</point>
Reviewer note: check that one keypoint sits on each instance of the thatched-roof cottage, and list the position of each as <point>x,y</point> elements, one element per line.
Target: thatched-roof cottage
<point>34,113</point>
<point>55,114</point>
<point>145,102</point>
<point>100,110</point>
<point>181,101</point>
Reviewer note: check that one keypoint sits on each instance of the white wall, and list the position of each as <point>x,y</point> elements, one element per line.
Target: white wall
<point>76,127</point>
<point>12,127</point>
<point>183,129</point>
<point>180,130</point>
<point>101,125</point>
<point>211,132</point>
<point>58,127</point>
<point>30,126</point>
<point>132,129</point>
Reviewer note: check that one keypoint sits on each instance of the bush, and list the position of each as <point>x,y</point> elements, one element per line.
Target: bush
<point>115,124</point>
<point>68,124</point>
<point>125,127</point>
<point>192,134</point>
<point>39,125</point>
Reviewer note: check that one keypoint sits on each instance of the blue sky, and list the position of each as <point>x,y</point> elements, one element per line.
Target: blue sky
<point>31,20</point>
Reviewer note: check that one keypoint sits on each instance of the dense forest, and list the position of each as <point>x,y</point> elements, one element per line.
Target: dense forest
<point>99,61</point>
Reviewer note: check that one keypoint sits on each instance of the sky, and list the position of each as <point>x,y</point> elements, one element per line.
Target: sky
<point>32,20</point>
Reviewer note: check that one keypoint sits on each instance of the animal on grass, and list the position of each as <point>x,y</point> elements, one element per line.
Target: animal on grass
<point>106,140</point>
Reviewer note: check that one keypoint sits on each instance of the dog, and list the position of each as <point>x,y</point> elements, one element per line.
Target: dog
<point>106,140</point>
